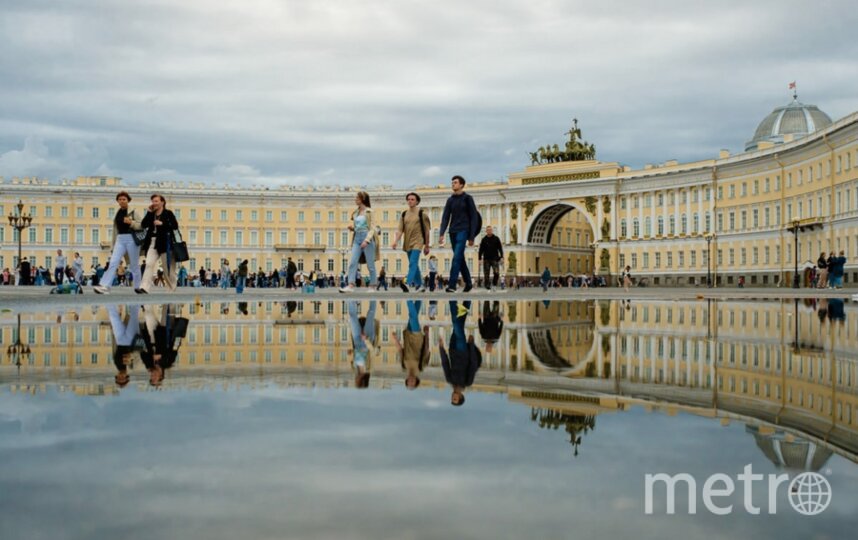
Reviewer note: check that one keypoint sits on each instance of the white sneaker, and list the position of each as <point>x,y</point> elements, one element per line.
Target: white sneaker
<point>101,289</point>
<point>422,289</point>
<point>347,289</point>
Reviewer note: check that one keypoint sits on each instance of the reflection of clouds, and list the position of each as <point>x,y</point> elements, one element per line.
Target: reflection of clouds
<point>339,463</point>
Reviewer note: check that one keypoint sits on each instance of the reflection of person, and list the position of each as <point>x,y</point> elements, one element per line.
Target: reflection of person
<point>414,347</point>
<point>363,341</point>
<point>464,358</point>
<point>124,335</point>
<point>161,342</point>
<point>491,324</point>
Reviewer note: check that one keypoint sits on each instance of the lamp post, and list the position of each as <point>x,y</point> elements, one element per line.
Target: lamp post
<point>19,222</point>
<point>796,283</point>
<point>18,351</point>
<point>709,237</point>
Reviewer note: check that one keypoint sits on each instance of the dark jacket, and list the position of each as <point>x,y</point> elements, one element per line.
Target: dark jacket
<point>491,248</point>
<point>460,367</point>
<point>163,234</point>
<point>460,214</point>
<point>491,327</point>
<point>836,265</point>
<point>822,262</point>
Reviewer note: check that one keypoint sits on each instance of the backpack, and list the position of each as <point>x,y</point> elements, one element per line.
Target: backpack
<point>479,217</point>
<point>419,218</point>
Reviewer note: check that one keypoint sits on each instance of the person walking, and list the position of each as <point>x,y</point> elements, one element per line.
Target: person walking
<point>491,256</point>
<point>382,280</point>
<point>433,272</point>
<point>77,268</point>
<point>836,269</point>
<point>627,278</point>
<point>414,225</point>
<point>363,242</point>
<point>241,280</point>
<point>160,224</point>
<point>224,274</point>
<point>125,222</point>
<point>463,221</point>
<point>291,270</point>
<point>545,280</point>
<point>60,267</point>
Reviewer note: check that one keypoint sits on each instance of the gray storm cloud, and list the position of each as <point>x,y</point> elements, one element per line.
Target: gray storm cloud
<point>261,91</point>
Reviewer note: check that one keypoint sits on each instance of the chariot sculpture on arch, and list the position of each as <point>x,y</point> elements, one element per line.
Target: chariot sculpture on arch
<point>575,149</point>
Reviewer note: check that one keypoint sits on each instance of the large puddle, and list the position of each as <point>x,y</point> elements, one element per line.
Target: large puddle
<point>372,419</point>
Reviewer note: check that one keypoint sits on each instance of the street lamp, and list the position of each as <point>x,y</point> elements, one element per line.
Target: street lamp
<point>794,228</point>
<point>20,222</point>
<point>709,237</point>
<point>18,351</point>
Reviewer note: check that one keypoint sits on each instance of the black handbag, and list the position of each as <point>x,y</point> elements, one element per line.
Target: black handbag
<point>139,236</point>
<point>179,248</point>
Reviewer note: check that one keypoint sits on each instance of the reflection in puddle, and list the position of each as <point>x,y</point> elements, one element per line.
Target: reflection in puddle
<point>784,372</point>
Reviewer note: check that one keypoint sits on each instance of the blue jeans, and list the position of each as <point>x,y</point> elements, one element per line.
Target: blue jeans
<point>414,278</point>
<point>414,316</point>
<point>240,281</point>
<point>459,242</point>
<point>458,341</point>
<point>835,281</point>
<point>432,280</point>
<point>224,282</point>
<point>369,252</point>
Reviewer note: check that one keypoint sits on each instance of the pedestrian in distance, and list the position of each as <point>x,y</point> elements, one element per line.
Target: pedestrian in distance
<point>491,256</point>
<point>627,278</point>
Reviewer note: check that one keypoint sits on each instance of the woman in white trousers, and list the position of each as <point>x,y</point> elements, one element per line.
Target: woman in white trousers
<point>125,223</point>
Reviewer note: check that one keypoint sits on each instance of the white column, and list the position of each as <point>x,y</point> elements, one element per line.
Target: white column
<point>615,227</point>
<point>600,216</point>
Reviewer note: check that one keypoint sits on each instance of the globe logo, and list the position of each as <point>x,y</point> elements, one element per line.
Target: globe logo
<point>809,493</point>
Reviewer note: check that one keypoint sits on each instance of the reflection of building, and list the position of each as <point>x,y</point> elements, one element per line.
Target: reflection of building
<point>570,216</point>
<point>789,452</point>
<point>736,360</point>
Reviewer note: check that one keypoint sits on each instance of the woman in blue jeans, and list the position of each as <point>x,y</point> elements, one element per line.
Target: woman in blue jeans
<point>364,241</point>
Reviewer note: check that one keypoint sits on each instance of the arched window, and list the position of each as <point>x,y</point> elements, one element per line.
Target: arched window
<point>660,225</point>
<point>636,228</point>
<point>623,229</point>
<point>672,229</point>
<point>684,224</point>
<point>696,223</point>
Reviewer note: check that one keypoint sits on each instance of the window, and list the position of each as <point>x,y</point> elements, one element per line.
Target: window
<point>767,185</point>
<point>623,229</point>
<point>239,215</point>
<point>635,228</point>
<point>193,213</point>
<point>269,216</point>
<point>79,212</point>
<point>64,211</point>
<point>223,237</point>
<point>284,216</point>
<point>301,216</point>
<point>660,228</point>
<point>208,214</point>
<point>733,191</point>
<point>680,259</point>
<point>223,215</point>
<point>95,212</point>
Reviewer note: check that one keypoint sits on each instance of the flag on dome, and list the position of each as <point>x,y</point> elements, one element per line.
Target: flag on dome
<point>792,85</point>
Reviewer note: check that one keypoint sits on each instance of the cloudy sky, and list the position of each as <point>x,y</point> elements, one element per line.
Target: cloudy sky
<point>400,92</point>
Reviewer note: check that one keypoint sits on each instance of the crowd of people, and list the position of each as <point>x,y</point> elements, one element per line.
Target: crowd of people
<point>153,238</point>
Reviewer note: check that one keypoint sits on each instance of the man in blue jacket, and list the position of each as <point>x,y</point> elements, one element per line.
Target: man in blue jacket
<point>463,221</point>
<point>835,269</point>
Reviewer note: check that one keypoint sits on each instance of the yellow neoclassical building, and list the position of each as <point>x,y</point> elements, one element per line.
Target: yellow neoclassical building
<point>673,223</point>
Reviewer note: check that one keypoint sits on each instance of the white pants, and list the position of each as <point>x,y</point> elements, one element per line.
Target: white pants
<point>124,246</point>
<point>124,334</point>
<point>152,258</point>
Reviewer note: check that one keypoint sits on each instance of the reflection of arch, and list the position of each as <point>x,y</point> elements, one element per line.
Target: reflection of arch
<point>542,225</point>
<point>540,346</point>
